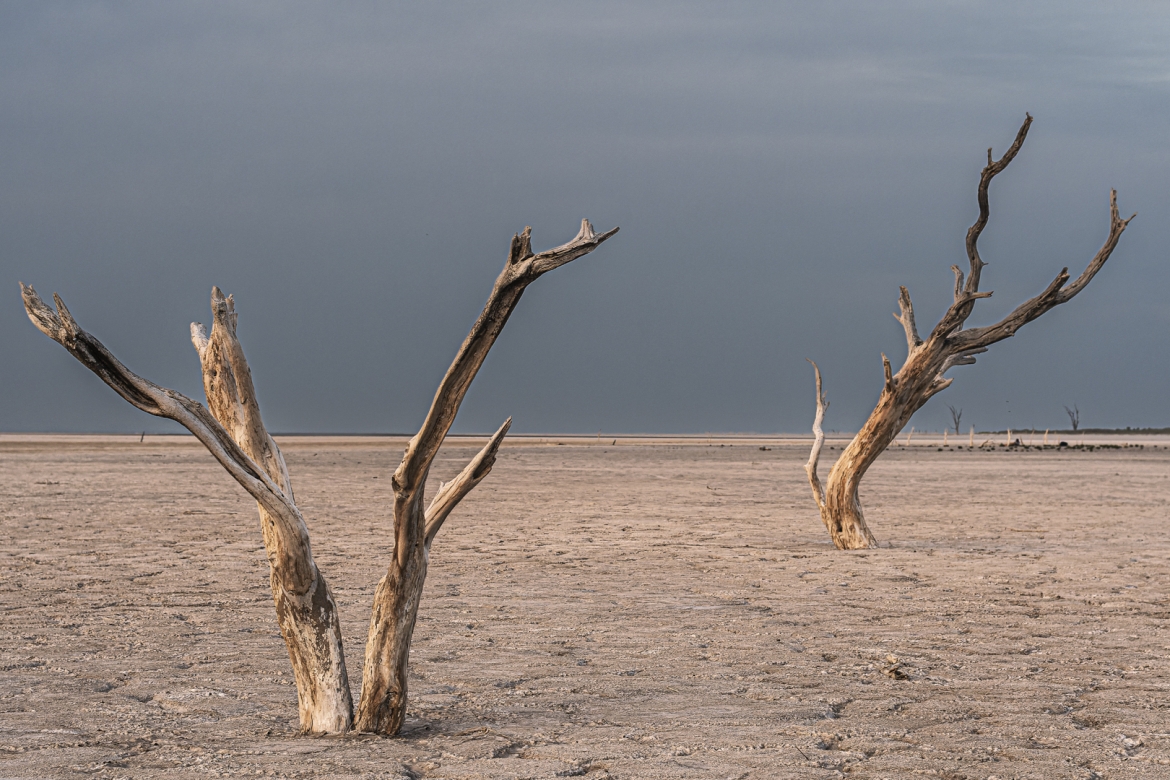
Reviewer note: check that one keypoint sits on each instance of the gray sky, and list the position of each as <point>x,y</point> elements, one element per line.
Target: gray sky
<point>353,174</point>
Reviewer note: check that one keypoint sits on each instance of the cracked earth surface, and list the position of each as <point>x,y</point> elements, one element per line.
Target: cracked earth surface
<point>650,609</point>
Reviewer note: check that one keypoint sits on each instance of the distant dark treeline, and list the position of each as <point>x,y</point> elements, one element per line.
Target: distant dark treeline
<point>1071,432</point>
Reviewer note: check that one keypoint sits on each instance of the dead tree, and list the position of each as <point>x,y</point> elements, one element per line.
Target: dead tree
<point>921,376</point>
<point>956,418</point>
<point>1074,417</point>
<point>231,428</point>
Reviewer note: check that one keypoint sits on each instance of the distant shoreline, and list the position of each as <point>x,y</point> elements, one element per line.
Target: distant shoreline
<point>611,434</point>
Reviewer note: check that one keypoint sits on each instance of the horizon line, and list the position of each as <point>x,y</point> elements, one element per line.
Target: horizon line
<point>612,435</point>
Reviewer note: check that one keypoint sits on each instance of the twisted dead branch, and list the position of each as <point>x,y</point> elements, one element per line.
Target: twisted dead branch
<point>949,344</point>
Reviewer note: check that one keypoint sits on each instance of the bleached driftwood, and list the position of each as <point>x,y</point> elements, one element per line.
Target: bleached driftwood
<point>231,428</point>
<point>949,344</point>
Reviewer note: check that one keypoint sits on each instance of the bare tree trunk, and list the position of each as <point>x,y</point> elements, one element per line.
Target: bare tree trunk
<point>232,430</point>
<point>305,609</point>
<point>846,526</point>
<point>921,376</point>
<point>384,679</point>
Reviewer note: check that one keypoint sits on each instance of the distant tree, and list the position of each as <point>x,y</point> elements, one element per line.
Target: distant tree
<point>231,428</point>
<point>1074,417</point>
<point>921,377</point>
<point>956,417</point>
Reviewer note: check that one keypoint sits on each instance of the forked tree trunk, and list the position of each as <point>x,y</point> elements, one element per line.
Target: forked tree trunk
<point>383,702</point>
<point>232,430</point>
<point>921,376</point>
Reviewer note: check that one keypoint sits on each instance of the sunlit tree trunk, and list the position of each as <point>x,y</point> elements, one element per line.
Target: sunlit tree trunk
<point>921,375</point>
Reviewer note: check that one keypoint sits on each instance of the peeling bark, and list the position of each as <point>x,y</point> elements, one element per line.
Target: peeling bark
<point>921,375</point>
<point>231,428</point>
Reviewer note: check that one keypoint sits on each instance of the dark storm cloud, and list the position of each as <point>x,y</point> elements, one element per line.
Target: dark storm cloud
<point>353,173</point>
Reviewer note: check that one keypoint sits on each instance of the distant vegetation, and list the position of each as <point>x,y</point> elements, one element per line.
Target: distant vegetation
<point>1052,431</point>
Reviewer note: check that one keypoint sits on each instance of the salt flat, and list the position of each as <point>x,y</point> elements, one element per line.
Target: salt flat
<point>646,609</point>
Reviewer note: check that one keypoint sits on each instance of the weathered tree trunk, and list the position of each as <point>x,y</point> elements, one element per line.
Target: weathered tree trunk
<point>921,376</point>
<point>305,609</point>
<point>845,524</point>
<point>384,679</point>
<point>235,435</point>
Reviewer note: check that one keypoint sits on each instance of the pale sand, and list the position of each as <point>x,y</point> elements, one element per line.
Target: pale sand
<point>655,609</point>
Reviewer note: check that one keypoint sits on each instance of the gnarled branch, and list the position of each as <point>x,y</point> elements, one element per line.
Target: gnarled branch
<point>990,172</point>
<point>948,345</point>
<point>1055,294</point>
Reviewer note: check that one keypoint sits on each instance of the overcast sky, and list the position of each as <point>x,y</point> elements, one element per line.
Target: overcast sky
<point>354,172</point>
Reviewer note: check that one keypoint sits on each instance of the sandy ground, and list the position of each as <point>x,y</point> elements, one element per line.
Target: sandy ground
<point>649,609</point>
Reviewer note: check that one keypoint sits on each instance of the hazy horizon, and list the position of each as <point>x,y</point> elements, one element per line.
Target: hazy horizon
<point>353,175</point>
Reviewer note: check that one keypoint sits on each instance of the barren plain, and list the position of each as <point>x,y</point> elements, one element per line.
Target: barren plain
<point>599,608</point>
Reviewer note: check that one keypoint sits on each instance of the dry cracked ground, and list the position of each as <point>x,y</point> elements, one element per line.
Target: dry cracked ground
<point>644,609</point>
